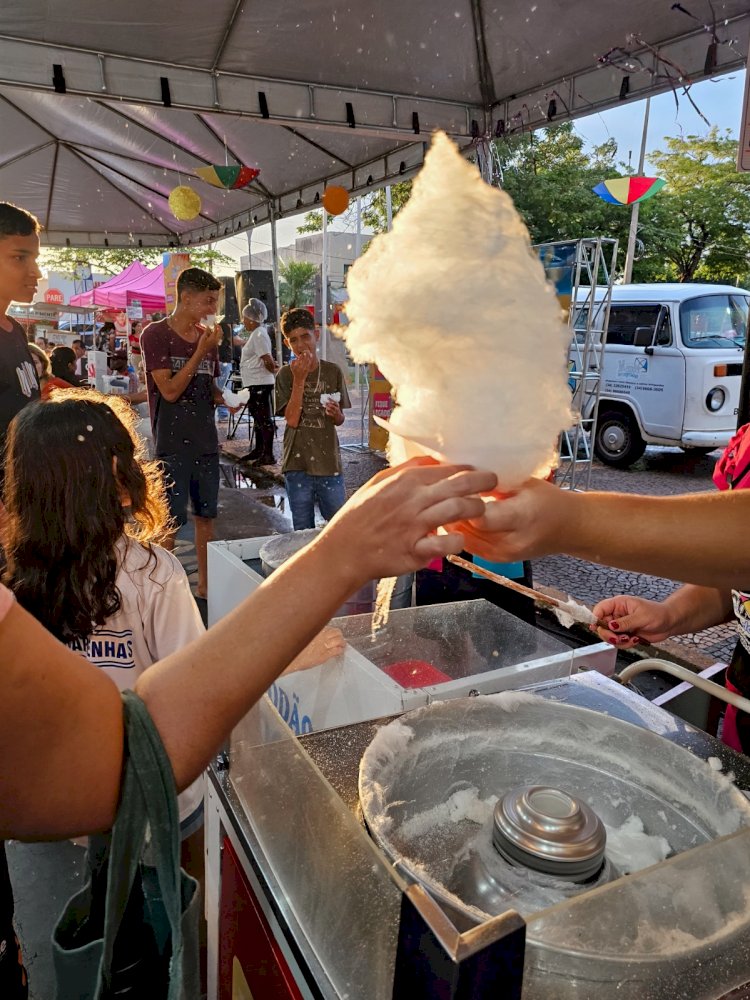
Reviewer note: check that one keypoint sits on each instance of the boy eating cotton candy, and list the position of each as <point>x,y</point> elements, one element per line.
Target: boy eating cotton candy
<point>312,395</point>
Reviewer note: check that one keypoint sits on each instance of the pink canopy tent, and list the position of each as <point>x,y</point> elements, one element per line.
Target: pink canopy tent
<point>135,283</point>
<point>97,296</point>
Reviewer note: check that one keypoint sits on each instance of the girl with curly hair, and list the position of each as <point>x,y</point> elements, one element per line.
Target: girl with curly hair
<point>85,511</point>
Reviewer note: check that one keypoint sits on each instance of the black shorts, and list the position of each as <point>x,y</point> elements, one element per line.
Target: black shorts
<point>195,477</point>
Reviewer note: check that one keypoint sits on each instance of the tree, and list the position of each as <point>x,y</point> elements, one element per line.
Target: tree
<point>313,223</point>
<point>698,227</point>
<point>112,260</point>
<point>375,215</point>
<point>296,285</point>
<point>550,175</point>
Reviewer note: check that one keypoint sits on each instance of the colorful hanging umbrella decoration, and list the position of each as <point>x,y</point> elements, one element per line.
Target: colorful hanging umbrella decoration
<point>628,190</point>
<point>229,178</point>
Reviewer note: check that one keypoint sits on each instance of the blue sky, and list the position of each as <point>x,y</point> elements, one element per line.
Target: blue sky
<point>720,100</point>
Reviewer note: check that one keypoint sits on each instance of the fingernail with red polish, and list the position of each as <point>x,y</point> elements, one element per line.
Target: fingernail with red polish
<point>614,626</point>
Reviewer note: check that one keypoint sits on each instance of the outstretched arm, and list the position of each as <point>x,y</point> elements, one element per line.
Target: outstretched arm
<point>61,719</point>
<point>701,538</point>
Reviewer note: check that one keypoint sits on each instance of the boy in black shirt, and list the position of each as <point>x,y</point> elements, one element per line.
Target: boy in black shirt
<point>19,274</point>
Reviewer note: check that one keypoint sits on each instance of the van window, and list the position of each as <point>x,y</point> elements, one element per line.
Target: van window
<point>633,325</point>
<point>711,321</point>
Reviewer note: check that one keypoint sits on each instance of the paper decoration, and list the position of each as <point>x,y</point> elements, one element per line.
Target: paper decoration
<point>628,190</point>
<point>335,200</point>
<point>227,177</point>
<point>185,203</point>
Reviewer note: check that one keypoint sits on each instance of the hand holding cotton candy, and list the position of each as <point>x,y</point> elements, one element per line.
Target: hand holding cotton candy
<point>455,310</point>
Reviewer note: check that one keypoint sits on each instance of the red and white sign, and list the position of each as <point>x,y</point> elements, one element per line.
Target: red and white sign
<point>54,297</point>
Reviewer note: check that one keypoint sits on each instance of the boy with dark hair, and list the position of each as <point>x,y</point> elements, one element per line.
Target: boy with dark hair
<point>180,355</point>
<point>312,395</point>
<point>19,274</point>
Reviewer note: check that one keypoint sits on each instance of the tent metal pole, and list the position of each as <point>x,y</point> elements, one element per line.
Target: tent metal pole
<point>635,211</point>
<point>357,252</point>
<point>388,208</point>
<point>275,266</point>
<point>324,292</point>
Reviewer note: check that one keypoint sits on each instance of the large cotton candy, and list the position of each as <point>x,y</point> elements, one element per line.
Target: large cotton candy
<point>454,308</point>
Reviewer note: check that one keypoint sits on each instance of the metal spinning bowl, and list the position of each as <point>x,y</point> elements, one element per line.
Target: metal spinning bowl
<point>545,775</point>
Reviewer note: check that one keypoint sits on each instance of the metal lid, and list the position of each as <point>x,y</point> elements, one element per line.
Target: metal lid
<point>277,550</point>
<point>550,831</point>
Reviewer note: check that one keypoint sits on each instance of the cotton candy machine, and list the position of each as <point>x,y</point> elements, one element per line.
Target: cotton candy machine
<point>574,802</point>
<point>513,802</point>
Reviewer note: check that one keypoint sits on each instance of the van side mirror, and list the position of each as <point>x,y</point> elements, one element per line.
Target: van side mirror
<point>644,336</point>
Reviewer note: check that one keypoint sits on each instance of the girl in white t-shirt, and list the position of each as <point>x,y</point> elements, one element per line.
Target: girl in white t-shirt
<point>84,511</point>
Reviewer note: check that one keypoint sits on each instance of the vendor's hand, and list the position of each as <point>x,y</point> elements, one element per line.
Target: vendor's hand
<point>388,527</point>
<point>327,644</point>
<point>302,365</point>
<point>633,620</point>
<point>333,410</point>
<point>522,525</point>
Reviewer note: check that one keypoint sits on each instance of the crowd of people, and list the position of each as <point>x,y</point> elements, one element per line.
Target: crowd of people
<point>93,601</point>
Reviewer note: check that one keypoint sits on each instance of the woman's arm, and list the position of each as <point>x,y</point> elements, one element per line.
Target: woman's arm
<point>61,719</point>
<point>700,538</point>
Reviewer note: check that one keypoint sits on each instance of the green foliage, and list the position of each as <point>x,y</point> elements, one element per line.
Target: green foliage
<point>550,175</point>
<point>698,227</point>
<point>115,259</point>
<point>313,223</point>
<point>296,286</point>
<point>374,214</point>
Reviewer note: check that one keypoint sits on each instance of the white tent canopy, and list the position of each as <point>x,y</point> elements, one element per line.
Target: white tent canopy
<point>104,108</point>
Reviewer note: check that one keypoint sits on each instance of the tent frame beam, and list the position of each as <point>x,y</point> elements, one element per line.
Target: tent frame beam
<point>107,75</point>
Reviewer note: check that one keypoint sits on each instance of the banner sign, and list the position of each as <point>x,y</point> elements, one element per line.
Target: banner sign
<point>173,264</point>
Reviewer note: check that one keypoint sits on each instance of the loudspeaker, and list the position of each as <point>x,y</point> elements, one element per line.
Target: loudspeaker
<point>256,285</point>
<point>227,306</point>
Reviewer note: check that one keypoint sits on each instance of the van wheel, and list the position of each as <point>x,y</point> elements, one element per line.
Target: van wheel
<point>618,440</point>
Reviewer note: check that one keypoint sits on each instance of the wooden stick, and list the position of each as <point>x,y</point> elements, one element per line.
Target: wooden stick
<point>535,595</point>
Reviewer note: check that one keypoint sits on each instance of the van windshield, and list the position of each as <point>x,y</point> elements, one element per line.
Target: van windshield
<point>712,321</point>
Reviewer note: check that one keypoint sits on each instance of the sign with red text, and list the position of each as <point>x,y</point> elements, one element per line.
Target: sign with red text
<point>54,297</point>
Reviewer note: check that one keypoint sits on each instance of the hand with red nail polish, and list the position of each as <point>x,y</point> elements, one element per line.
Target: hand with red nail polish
<point>632,620</point>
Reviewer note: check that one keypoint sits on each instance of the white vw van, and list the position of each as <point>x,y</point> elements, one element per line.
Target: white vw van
<point>671,367</point>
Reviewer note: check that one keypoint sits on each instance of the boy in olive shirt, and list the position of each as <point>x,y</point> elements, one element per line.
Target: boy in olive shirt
<point>312,395</point>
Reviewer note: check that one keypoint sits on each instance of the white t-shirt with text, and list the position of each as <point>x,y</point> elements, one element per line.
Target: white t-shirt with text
<point>157,616</point>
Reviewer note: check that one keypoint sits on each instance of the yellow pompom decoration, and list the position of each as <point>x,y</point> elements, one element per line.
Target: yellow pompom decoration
<point>335,200</point>
<point>185,203</point>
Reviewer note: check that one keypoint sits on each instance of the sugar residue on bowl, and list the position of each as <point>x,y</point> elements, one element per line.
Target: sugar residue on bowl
<point>463,804</point>
<point>630,848</point>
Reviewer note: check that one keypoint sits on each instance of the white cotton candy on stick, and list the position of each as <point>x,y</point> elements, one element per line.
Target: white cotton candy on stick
<point>236,398</point>
<point>454,308</point>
